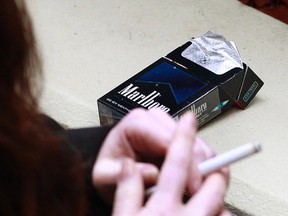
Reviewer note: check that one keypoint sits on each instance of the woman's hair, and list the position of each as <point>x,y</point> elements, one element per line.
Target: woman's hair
<point>38,176</point>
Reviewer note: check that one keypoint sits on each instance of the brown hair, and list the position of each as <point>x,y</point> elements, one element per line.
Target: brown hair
<point>37,174</point>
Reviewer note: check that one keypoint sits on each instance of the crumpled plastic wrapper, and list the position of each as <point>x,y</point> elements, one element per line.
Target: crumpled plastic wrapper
<point>213,52</point>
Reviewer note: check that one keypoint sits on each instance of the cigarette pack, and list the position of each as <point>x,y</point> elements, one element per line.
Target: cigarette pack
<point>206,81</point>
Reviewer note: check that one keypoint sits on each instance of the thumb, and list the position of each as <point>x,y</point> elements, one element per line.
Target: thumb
<point>106,171</point>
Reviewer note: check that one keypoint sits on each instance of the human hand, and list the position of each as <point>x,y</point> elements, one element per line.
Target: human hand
<point>167,200</point>
<point>143,136</point>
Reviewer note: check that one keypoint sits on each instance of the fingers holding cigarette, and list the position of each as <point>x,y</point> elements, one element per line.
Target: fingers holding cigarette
<point>223,160</point>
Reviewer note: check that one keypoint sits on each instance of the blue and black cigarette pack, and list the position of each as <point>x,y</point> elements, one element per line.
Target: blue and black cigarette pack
<point>176,84</point>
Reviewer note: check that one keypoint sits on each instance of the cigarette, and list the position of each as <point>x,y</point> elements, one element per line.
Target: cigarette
<point>222,160</point>
<point>229,157</point>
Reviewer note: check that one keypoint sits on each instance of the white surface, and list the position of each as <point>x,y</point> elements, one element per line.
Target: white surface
<point>89,47</point>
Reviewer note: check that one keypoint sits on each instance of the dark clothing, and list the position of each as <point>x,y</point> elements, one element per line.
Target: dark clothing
<point>87,142</point>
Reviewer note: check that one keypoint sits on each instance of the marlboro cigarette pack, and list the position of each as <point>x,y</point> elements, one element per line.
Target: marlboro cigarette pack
<point>202,75</point>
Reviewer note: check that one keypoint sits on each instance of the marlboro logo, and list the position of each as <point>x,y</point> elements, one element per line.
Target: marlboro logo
<point>148,101</point>
<point>199,109</point>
